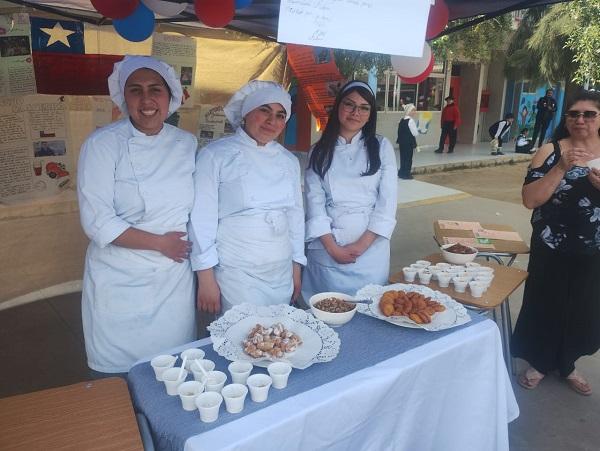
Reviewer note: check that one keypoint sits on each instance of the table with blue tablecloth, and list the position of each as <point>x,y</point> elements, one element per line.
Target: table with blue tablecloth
<point>390,387</point>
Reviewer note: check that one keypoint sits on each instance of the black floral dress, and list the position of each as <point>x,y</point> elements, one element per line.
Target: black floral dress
<point>560,318</point>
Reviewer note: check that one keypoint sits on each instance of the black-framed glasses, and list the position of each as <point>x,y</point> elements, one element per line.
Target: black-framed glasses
<point>350,107</point>
<point>587,115</point>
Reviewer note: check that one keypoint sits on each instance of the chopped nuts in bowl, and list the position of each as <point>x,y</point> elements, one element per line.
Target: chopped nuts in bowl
<point>332,308</point>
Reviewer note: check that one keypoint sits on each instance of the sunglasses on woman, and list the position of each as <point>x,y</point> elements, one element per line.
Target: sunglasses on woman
<point>587,115</point>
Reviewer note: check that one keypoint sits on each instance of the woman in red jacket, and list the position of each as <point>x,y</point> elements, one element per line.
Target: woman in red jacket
<point>450,123</point>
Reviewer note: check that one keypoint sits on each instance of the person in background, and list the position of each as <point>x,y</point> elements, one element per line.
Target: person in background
<point>499,132</point>
<point>247,224</point>
<point>351,195</point>
<point>559,321</point>
<point>136,190</point>
<point>450,121</point>
<point>546,107</point>
<point>523,143</point>
<point>407,142</point>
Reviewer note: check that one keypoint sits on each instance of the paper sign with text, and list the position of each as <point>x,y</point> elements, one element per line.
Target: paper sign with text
<point>381,26</point>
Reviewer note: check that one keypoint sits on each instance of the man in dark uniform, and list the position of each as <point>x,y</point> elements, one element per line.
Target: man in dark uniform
<point>546,107</point>
<point>450,121</point>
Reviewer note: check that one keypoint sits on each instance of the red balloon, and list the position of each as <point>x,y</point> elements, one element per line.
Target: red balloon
<point>115,9</point>
<point>419,78</point>
<point>438,19</point>
<point>215,13</point>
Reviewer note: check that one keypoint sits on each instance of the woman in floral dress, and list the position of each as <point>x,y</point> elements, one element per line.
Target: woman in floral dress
<point>560,318</point>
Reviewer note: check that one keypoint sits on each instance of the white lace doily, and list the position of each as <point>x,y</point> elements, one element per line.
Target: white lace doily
<point>454,315</point>
<point>320,342</point>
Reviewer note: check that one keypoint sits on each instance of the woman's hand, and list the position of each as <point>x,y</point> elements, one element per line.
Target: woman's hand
<point>209,293</point>
<point>297,278</point>
<point>361,245</point>
<point>173,246</point>
<point>594,178</point>
<point>339,253</point>
<point>575,156</point>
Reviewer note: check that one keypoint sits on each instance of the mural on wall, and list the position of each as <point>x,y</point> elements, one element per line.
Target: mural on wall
<point>528,106</point>
<point>423,121</point>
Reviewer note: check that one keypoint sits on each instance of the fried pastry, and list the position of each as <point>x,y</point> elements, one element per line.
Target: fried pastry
<point>413,305</point>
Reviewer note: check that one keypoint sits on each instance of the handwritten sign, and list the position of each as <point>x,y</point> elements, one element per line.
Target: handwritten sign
<point>391,27</point>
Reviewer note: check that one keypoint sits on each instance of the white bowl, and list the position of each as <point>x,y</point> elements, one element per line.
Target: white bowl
<point>457,259</point>
<point>333,319</point>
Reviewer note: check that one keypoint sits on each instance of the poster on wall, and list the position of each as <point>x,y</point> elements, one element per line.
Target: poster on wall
<point>17,76</point>
<point>213,124</point>
<point>35,155</point>
<point>179,52</point>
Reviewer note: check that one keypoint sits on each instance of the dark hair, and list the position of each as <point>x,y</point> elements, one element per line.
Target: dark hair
<point>322,154</point>
<point>523,130</point>
<point>509,116</point>
<point>561,131</point>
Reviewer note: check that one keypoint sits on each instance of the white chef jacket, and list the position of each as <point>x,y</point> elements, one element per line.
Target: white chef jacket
<point>248,221</point>
<point>135,302</point>
<point>346,204</point>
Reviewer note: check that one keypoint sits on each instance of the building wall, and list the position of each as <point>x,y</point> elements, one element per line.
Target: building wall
<point>495,82</point>
<point>469,101</point>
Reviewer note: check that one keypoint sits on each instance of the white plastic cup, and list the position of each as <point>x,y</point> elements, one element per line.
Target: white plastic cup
<point>443,266</point>
<point>162,363</point>
<point>279,372</point>
<point>433,270</point>
<point>240,370</point>
<point>192,355</point>
<point>409,273</point>
<point>259,385</point>
<point>460,284</point>
<point>444,278</point>
<point>234,396</point>
<point>188,392</point>
<point>215,381</point>
<point>425,276</point>
<point>208,404</point>
<point>466,275</point>
<point>472,265</point>
<point>172,381</point>
<point>423,263</point>
<point>208,365</point>
<point>483,270</point>
<point>477,288</point>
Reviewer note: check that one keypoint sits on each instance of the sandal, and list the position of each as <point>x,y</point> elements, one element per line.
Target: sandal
<point>579,384</point>
<point>530,378</point>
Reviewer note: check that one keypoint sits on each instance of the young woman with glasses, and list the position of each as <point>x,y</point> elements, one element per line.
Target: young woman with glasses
<point>560,318</point>
<point>351,195</point>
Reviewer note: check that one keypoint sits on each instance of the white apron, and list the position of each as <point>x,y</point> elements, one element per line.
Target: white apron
<point>133,306</point>
<point>323,273</point>
<point>255,260</point>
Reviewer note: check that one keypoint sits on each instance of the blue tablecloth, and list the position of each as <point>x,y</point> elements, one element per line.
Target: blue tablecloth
<point>365,341</point>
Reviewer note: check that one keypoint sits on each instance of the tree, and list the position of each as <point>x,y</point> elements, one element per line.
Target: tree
<point>557,43</point>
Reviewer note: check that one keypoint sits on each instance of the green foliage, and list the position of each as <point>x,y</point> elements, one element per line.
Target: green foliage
<point>350,61</point>
<point>557,43</point>
<point>476,43</point>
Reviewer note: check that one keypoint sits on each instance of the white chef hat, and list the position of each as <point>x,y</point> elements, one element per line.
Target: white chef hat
<point>409,107</point>
<point>128,65</point>
<point>254,94</point>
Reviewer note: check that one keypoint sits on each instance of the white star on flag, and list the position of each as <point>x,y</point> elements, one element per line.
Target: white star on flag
<point>58,34</point>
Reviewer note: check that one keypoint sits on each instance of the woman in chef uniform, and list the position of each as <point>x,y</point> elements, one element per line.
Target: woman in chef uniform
<point>135,187</point>
<point>247,224</point>
<point>351,195</point>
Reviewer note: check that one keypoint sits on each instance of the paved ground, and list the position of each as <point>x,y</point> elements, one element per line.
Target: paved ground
<point>47,347</point>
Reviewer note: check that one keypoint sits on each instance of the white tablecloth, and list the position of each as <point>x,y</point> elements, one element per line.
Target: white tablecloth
<point>453,393</point>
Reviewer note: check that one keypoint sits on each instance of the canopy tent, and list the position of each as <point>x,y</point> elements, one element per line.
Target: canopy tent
<point>261,17</point>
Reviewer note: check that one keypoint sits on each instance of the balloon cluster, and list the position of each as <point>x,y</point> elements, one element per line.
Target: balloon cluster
<point>416,69</point>
<point>134,19</point>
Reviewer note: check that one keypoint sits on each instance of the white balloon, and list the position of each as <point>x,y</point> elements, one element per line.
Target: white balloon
<point>411,66</point>
<point>166,9</point>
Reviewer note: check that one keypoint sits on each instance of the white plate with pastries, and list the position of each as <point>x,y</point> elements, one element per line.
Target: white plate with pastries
<point>453,315</point>
<point>319,342</point>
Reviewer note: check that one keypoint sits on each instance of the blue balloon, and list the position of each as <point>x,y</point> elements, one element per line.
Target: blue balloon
<point>239,4</point>
<point>138,26</point>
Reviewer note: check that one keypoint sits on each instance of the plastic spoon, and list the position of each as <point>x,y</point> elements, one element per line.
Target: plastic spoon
<point>201,368</point>
<point>182,367</point>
